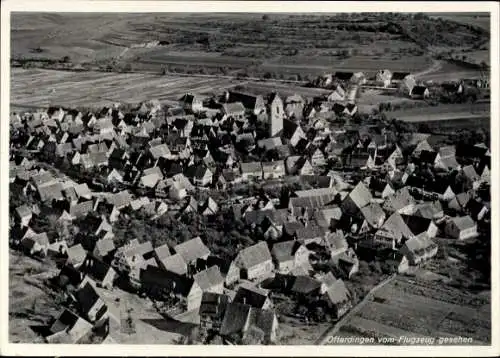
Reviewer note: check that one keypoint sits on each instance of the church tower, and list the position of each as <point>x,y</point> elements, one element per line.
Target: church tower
<point>276,115</point>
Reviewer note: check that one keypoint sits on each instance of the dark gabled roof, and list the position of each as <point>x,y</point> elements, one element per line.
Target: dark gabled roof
<point>213,305</point>
<point>248,100</point>
<point>86,297</point>
<point>251,296</point>
<point>398,76</point>
<point>157,277</point>
<point>95,267</point>
<point>235,318</point>
<point>418,90</point>
<point>416,224</point>
<point>285,251</point>
<point>343,76</point>
<point>305,285</point>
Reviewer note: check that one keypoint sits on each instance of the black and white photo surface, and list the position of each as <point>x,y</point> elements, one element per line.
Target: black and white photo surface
<point>250,178</point>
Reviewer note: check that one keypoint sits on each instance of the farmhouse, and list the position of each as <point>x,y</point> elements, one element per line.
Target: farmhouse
<point>461,228</point>
<point>419,92</point>
<point>255,261</point>
<point>289,254</point>
<point>419,249</point>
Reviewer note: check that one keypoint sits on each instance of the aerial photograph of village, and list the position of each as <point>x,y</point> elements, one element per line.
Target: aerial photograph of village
<point>250,178</point>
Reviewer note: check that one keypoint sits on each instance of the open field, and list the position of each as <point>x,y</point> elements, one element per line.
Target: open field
<point>36,87</point>
<point>476,19</point>
<point>410,308</point>
<point>283,44</point>
<point>30,306</point>
<point>442,113</point>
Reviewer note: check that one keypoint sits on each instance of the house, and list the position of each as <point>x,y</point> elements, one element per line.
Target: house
<point>185,292</point>
<point>422,146</point>
<point>24,214</point>
<point>129,259</point>
<point>461,228</point>
<point>459,202</point>
<point>253,296</point>
<point>173,263</point>
<point>192,250</point>
<point>104,247</point>
<point>234,110</point>
<point>299,165</point>
<point>393,231</point>
<point>397,262</point>
<point>89,303</point>
<point>99,271</point>
<point>269,143</point>
<point>348,263</point>
<point>35,244</point>
<point>429,210</point>
<point>419,249</point>
<point>338,95</point>
<point>253,104</point>
<point>419,225</point>
<point>476,209</point>
<point>68,327</point>
<point>255,261</point>
<point>251,171</point>
<point>383,78</point>
<point>470,173</point>
<point>210,280</point>
<point>199,174</point>
<point>191,103</point>
<point>212,309</point>
<point>380,189</point>
<point>76,255</point>
<point>419,92</point>
<point>335,243</point>
<point>401,202</point>
<point>289,254</point>
<point>359,197</point>
<point>209,207</point>
<point>373,214</point>
<point>51,192</point>
<point>338,299</point>
<point>292,132</point>
<point>273,170</point>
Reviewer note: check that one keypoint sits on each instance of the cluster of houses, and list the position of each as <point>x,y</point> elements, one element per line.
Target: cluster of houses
<point>347,85</point>
<point>155,159</point>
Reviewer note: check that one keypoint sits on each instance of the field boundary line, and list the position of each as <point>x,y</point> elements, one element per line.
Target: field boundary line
<point>332,330</point>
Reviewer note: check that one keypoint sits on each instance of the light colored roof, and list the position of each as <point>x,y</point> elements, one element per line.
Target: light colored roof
<point>419,242</point>
<point>83,190</point>
<point>400,199</point>
<point>464,222</point>
<point>251,167</point>
<point>338,292</point>
<point>470,172</point>
<point>373,213</point>
<point>192,249</point>
<point>174,263</point>
<point>235,107</point>
<point>255,255</point>
<point>104,246</point>
<point>23,211</point>
<point>76,254</point>
<point>159,151</point>
<point>396,227</point>
<point>209,278</point>
<point>162,251</point>
<point>360,195</point>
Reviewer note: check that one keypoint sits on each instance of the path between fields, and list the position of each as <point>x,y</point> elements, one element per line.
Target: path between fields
<point>322,340</point>
<point>436,65</point>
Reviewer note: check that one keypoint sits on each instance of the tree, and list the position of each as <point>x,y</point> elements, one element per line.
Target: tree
<point>265,17</point>
<point>66,59</point>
